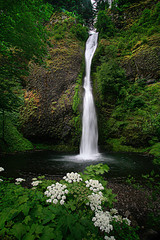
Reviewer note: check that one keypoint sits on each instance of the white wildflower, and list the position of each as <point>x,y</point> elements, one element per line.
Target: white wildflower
<point>94,185</point>
<point>1,169</point>
<point>1,180</point>
<point>95,201</point>
<point>127,221</point>
<point>72,177</point>
<point>113,211</point>
<point>109,238</point>
<point>36,183</point>
<point>62,202</point>
<point>55,201</point>
<point>103,220</point>
<point>117,218</point>
<point>57,192</point>
<point>20,179</point>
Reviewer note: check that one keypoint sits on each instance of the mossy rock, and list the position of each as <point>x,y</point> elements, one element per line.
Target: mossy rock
<point>143,63</point>
<point>13,139</point>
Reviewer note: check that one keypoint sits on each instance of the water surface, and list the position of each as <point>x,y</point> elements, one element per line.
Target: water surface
<point>51,164</point>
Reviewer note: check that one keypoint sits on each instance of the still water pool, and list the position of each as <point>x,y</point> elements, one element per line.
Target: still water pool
<point>50,164</point>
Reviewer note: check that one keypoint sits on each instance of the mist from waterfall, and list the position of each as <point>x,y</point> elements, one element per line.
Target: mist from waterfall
<point>89,139</point>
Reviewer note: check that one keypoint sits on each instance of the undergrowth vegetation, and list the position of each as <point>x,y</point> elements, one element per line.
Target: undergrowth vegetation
<point>11,139</point>
<point>78,207</point>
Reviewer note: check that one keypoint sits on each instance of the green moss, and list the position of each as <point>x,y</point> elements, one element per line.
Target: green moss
<point>118,145</point>
<point>14,140</point>
<point>155,151</point>
<point>76,110</point>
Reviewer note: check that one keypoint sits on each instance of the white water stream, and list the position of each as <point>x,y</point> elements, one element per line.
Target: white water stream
<point>89,139</point>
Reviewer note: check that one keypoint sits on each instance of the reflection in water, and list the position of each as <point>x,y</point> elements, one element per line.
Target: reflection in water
<point>49,163</point>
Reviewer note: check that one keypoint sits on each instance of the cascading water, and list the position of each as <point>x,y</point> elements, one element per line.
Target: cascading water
<point>89,140</point>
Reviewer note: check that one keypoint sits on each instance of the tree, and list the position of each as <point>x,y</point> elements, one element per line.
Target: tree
<point>22,38</point>
<point>81,7</point>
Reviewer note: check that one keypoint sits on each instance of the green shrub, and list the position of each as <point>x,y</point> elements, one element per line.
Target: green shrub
<point>111,78</point>
<point>155,151</point>
<point>13,139</point>
<point>104,24</point>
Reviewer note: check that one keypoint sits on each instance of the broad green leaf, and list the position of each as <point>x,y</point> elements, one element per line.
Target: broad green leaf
<point>22,199</point>
<point>18,230</point>
<point>3,217</point>
<point>27,220</point>
<point>49,233</point>
<point>29,236</point>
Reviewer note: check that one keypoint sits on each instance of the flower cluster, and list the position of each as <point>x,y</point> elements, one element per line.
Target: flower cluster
<point>72,177</point>
<point>94,185</point>
<point>109,238</point>
<point>103,220</point>
<point>1,169</point>
<point>1,180</point>
<point>56,192</point>
<point>95,201</point>
<point>19,180</point>
<point>35,183</point>
<point>119,218</point>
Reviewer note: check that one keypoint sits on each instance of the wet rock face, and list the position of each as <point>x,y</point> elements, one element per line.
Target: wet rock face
<point>47,113</point>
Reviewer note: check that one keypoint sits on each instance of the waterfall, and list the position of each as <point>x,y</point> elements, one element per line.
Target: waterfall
<point>89,139</point>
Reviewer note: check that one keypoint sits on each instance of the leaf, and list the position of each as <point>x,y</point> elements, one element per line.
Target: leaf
<point>18,230</point>
<point>94,170</point>
<point>49,233</point>
<point>71,204</point>
<point>3,217</point>
<point>22,199</point>
<point>28,236</point>
<point>36,228</point>
<point>27,220</point>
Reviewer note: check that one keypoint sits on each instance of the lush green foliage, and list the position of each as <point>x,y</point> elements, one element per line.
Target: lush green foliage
<point>128,108</point>
<point>111,79</point>
<point>22,39</point>
<point>11,139</point>
<point>104,24</point>
<point>27,214</point>
<point>82,8</point>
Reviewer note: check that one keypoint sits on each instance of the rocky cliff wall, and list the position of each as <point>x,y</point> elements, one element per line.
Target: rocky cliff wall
<point>47,114</point>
